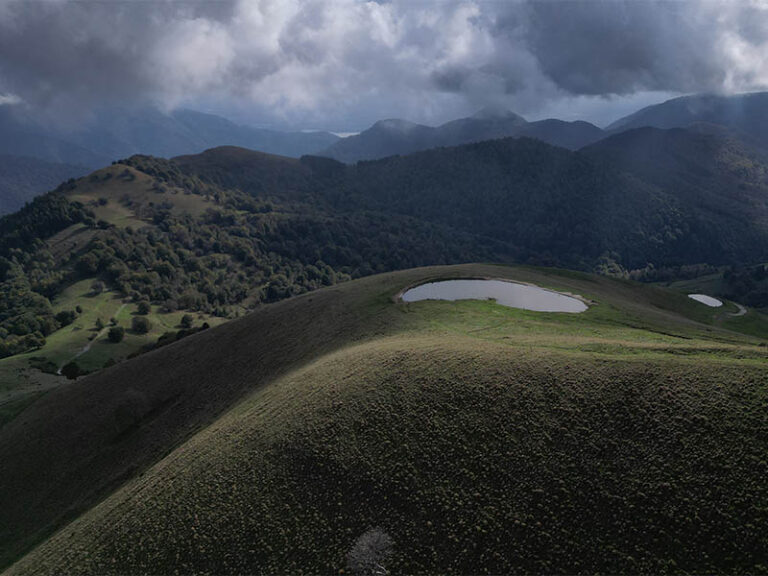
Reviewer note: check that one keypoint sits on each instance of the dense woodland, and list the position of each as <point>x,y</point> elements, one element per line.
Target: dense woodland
<point>240,253</point>
<point>275,227</point>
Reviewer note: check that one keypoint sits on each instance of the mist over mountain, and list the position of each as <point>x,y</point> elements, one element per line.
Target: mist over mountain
<point>391,137</point>
<point>373,287</point>
<point>742,113</point>
<point>23,178</point>
<point>112,133</point>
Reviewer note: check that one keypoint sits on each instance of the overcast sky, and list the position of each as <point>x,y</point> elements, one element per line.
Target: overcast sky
<point>342,64</point>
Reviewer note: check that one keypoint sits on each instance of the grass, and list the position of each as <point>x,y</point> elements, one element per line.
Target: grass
<point>473,458</point>
<point>66,343</point>
<point>114,182</point>
<point>20,379</point>
<point>629,438</point>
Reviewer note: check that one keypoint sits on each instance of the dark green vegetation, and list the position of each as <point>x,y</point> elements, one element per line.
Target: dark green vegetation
<point>629,438</point>
<point>229,229</point>
<point>747,284</point>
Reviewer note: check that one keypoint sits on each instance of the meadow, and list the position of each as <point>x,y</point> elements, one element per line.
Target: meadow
<point>628,438</point>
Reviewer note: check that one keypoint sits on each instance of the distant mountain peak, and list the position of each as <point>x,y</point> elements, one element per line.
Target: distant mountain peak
<point>497,113</point>
<point>394,125</point>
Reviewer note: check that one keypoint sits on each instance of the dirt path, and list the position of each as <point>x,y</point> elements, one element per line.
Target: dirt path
<point>87,347</point>
<point>741,311</point>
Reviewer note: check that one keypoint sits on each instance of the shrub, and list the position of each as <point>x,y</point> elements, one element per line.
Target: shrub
<point>140,325</point>
<point>66,317</point>
<point>116,334</point>
<point>144,308</point>
<point>186,321</point>
<point>71,370</point>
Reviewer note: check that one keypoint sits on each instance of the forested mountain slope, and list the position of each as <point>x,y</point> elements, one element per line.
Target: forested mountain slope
<point>745,113</point>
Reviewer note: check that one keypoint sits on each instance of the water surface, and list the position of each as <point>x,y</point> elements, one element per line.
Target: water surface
<point>505,293</point>
<point>706,300</point>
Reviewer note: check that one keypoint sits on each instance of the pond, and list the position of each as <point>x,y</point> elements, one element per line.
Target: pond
<point>706,300</point>
<point>503,292</point>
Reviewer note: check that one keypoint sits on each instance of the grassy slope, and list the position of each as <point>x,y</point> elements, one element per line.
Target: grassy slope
<point>116,181</point>
<point>21,382</point>
<point>473,458</point>
<point>624,349</point>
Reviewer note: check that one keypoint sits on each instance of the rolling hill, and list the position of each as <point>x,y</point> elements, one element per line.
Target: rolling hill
<point>480,438</point>
<point>400,137</point>
<point>718,181</point>
<point>216,234</point>
<point>646,196</point>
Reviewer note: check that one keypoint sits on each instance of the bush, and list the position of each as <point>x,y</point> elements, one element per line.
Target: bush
<point>71,370</point>
<point>140,325</point>
<point>65,317</point>
<point>116,334</point>
<point>186,321</point>
<point>144,308</point>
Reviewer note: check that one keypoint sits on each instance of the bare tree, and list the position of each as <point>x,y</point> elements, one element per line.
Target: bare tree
<point>369,553</point>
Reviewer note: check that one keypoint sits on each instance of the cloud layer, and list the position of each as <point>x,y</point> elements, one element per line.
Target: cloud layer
<point>347,61</point>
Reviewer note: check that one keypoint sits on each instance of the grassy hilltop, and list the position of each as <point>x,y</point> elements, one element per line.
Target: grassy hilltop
<point>481,438</point>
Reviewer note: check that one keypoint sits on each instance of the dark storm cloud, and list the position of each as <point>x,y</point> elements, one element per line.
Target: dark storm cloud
<point>305,60</point>
<point>617,47</point>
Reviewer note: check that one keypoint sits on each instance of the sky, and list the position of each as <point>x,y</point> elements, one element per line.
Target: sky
<point>343,64</point>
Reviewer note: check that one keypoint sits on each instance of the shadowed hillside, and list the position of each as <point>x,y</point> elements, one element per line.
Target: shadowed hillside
<point>131,415</point>
<point>744,113</point>
<point>400,137</point>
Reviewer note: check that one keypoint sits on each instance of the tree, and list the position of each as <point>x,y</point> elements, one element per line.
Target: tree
<point>144,308</point>
<point>116,334</point>
<point>71,370</point>
<point>97,287</point>
<point>99,323</point>
<point>140,324</point>
<point>66,317</point>
<point>186,321</point>
<point>369,553</point>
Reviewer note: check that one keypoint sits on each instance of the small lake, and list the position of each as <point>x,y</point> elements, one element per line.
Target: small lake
<point>505,293</point>
<point>706,300</point>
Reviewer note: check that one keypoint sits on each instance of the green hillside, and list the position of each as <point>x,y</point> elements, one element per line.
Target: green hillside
<point>227,230</point>
<point>629,438</point>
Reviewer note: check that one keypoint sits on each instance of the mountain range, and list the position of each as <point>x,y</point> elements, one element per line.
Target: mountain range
<point>253,395</point>
<point>119,133</point>
<point>744,114</point>
<point>400,137</point>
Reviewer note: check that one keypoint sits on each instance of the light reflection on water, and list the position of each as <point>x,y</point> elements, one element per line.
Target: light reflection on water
<point>505,293</point>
